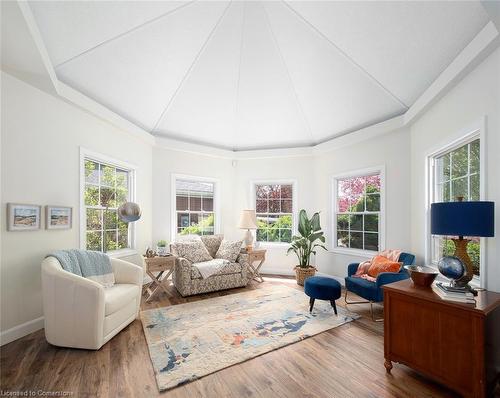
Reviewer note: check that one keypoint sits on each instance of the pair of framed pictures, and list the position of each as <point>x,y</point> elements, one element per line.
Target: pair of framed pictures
<point>21,217</point>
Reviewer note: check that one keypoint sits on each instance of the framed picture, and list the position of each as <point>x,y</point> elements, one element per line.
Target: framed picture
<point>58,217</point>
<point>23,217</point>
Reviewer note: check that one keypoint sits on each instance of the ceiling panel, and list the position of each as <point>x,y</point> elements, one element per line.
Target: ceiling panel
<point>71,27</point>
<point>204,108</point>
<point>336,95</point>
<point>404,44</point>
<point>254,74</point>
<point>267,110</point>
<point>137,74</point>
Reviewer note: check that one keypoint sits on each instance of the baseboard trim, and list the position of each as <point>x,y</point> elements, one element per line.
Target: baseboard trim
<point>285,272</point>
<point>276,271</point>
<point>9,335</point>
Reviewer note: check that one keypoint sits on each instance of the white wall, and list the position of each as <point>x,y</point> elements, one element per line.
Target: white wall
<point>298,169</point>
<point>391,151</point>
<point>235,178</point>
<point>167,162</point>
<point>475,97</point>
<point>312,175</point>
<point>41,136</point>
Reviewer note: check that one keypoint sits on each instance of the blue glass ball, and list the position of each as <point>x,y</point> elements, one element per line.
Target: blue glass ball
<point>451,267</point>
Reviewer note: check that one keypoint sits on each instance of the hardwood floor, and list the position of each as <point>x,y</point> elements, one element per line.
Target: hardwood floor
<point>343,362</point>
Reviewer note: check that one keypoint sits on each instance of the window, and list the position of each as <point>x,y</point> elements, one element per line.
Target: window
<point>456,175</point>
<point>357,211</point>
<point>194,206</point>
<point>105,187</point>
<point>274,207</point>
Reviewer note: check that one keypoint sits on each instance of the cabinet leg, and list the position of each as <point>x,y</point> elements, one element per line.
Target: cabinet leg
<point>388,365</point>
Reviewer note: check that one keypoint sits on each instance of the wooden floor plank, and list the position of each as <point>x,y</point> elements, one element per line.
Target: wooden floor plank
<point>346,361</point>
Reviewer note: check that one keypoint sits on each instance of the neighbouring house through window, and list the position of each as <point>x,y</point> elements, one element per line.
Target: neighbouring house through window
<point>194,206</point>
<point>275,208</point>
<point>105,188</point>
<point>456,174</point>
<point>357,211</point>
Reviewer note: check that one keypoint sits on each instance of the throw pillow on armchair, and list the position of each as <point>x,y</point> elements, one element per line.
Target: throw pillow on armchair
<point>195,251</point>
<point>229,250</point>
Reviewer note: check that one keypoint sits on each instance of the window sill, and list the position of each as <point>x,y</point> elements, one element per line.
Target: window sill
<point>272,245</point>
<point>354,252</point>
<point>122,253</point>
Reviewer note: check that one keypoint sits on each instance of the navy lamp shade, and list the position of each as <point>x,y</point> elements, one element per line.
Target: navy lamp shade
<point>463,219</point>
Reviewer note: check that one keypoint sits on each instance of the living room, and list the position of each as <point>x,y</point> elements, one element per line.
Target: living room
<point>151,132</point>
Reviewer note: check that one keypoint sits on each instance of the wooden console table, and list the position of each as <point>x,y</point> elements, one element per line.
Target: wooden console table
<point>456,344</point>
<point>160,265</point>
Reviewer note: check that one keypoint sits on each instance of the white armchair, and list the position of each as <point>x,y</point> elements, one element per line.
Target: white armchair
<point>81,313</point>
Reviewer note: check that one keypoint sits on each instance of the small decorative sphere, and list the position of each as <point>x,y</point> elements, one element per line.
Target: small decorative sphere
<point>129,212</point>
<point>451,267</point>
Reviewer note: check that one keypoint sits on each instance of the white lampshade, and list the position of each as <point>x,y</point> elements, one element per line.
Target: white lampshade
<point>248,220</point>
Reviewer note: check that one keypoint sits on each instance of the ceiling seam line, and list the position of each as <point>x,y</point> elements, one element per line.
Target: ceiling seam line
<point>124,33</point>
<point>236,107</point>
<point>306,121</point>
<point>195,60</point>
<point>303,19</point>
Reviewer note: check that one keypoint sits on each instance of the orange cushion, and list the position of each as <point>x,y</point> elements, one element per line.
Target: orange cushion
<point>383,264</point>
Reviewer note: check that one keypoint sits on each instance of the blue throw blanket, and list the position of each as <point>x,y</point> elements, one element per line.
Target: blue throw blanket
<point>89,264</point>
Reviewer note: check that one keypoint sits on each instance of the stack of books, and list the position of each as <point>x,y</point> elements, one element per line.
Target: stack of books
<point>450,293</point>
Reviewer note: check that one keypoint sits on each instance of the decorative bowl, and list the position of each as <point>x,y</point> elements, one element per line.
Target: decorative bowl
<point>421,275</point>
<point>451,267</point>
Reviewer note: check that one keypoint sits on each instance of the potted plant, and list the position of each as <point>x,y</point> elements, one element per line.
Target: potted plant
<point>161,247</point>
<point>305,244</point>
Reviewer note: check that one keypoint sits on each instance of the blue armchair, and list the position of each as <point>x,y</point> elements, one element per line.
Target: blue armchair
<point>372,291</point>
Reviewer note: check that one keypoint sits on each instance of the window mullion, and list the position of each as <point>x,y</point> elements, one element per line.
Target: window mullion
<point>468,171</point>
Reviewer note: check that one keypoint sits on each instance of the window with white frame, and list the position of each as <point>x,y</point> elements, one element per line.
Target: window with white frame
<point>358,211</point>
<point>194,206</point>
<point>274,207</point>
<point>105,187</point>
<point>456,175</point>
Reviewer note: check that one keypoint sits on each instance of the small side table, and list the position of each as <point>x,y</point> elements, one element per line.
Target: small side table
<point>161,265</point>
<point>253,256</point>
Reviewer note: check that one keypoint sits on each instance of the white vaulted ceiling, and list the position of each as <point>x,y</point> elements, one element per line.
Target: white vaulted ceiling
<point>254,74</point>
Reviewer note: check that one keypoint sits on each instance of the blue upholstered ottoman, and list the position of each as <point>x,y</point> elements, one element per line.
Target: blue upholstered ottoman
<point>322,288</point>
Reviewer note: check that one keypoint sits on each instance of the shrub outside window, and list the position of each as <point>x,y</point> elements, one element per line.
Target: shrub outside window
<point>457,174</point>
<point>106,188</point>
<point>358,212</point>
<point>194,204</point>
<point>274,207</point>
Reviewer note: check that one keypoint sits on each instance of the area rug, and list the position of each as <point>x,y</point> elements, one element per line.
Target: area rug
<point>188,341</point>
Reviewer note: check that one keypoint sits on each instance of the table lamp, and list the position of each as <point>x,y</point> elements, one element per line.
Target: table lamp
<point>248,221</point>
<point>463,219</point>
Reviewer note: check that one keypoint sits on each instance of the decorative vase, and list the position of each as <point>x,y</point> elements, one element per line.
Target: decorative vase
<point>302,273</point>
<point>161,250</point>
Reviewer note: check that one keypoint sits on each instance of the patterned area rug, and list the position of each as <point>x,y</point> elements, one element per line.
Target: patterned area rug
<point>188,341</point>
